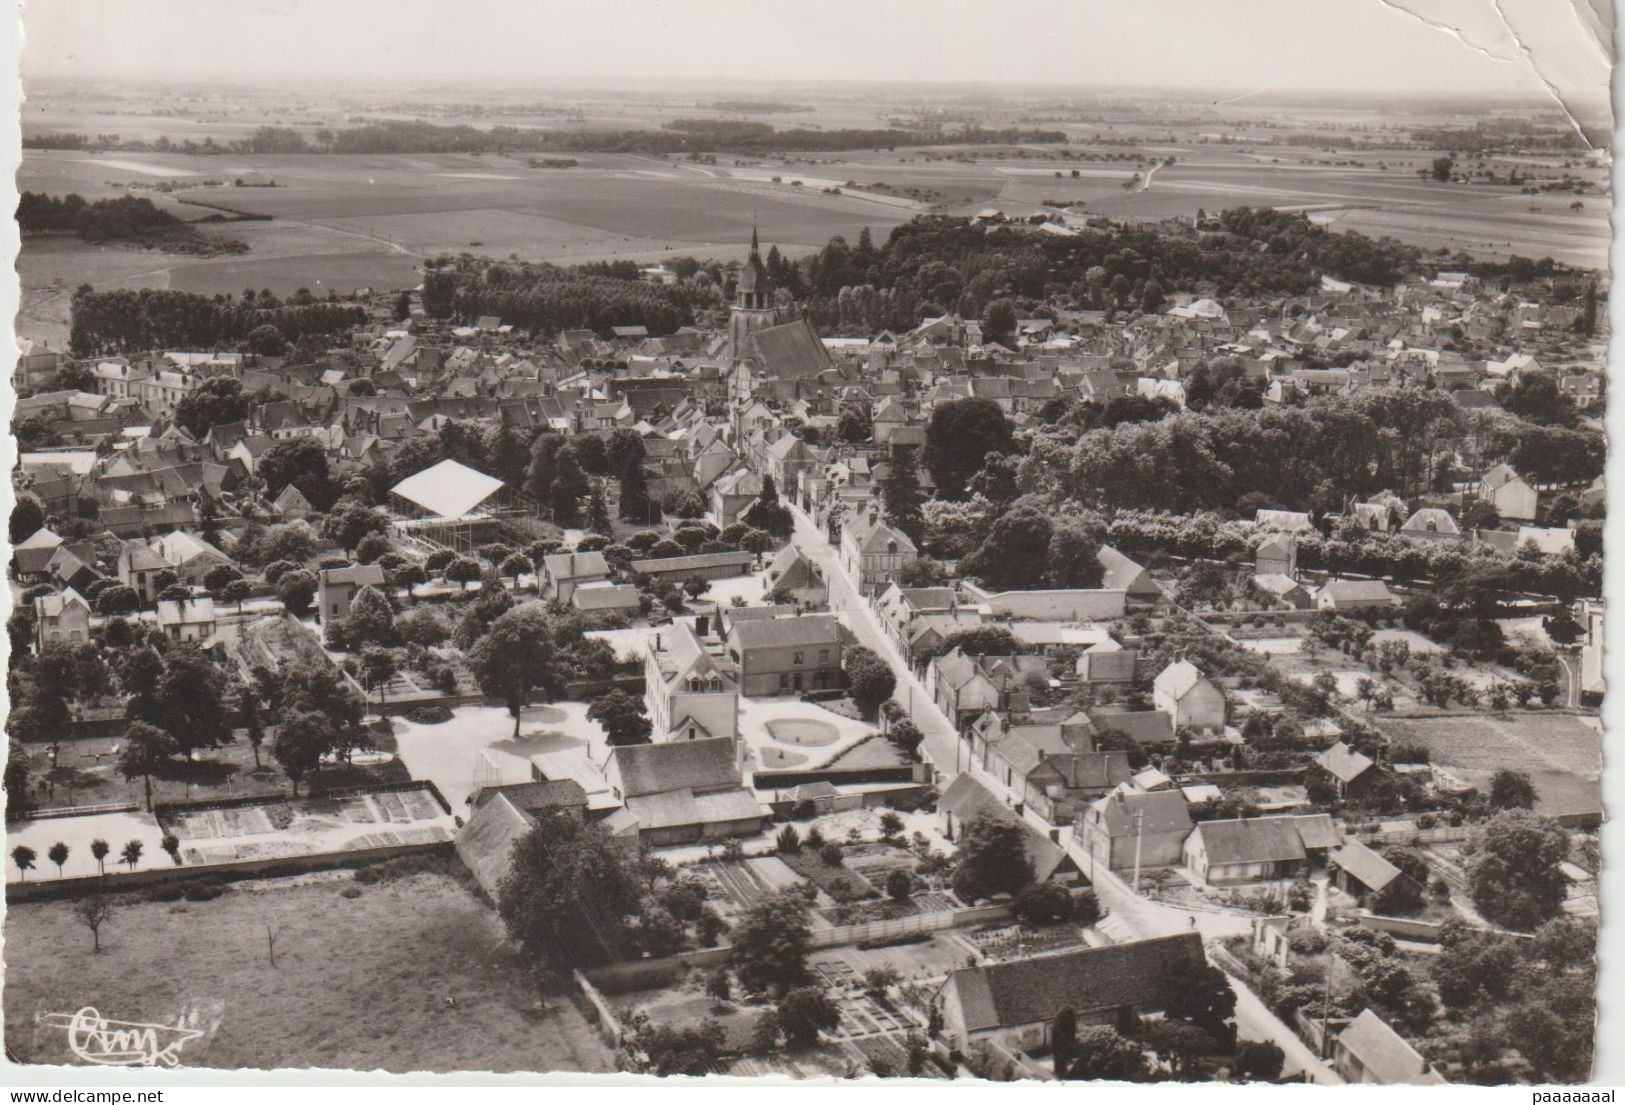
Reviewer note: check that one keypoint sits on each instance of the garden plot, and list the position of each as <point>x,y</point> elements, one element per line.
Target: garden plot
<point>1561,753</point>
<point>310,826</point>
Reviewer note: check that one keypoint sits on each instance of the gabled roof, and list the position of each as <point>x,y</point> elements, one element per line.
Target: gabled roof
<point>576,565</point>
<point>359,575</point>
<point>789,351</point>
<point>1385,1054</point>
<point>1027,991</point>
<point>1343,762</point>
<point>674,765</point>
<point>1370,869</point>
<point>1162,811</point>
<point>1179,678</point>
<point>808,630</point>
<point>1252,840</point>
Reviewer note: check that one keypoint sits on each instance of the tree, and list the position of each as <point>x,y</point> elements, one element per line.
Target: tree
<point>598,519</point>
<point>59,856</point>
<point>296,589</point>
<point>93,912</point>
<point>237,592</point>
<point>905,735</point>
<point>267,341</point>
<point>1102,1054</point>
<point>463,570</point>
<point>351,521</point>
<point>695,586</point>
<point>635,504</point>
<point>999,321</point>
<point>869,679</point>
<point>1064,1040</point>
<point>1015,553</point>
<point>854,427</point>
<point>623,716</point>
<point>667,1049</point>
<point>1512,790</point>
<point>1514,877</point>
<point>1440,169</point>
<point>901,496</point>
<point>958,439</point>
<point>147,749</point>
<point>788,840</point>
<point>131,853</point>
<point>371,621</point>
<point>117,600</point>
<point>379,666</point>
<point>27,518</point>
<point>805,1012</point>
<point>215,402</point>
<point>1179,1044</point>
<point>771,943</point>
<point>899,885</point>
<point>98,852</point>
<point>571,896</point>
<point>1043,904</point>
<point>767,513</point>
<point>300,461</point>
<point>300,743</point>
<point>517,658</point>
<point>23,857</point>
<point>1259,1060</point>
<point>190,700</point>
<point>1199,993</point>
<point>992,859</point>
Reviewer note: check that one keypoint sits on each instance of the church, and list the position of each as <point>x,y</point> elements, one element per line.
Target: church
<point>766,353</point>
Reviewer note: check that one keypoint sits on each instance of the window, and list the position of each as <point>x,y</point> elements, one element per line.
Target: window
<point>784,681</point>
<point>799,658</point>
<point>823,656</point>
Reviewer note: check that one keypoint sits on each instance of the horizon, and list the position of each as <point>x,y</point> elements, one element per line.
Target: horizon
<point>1246,46</point>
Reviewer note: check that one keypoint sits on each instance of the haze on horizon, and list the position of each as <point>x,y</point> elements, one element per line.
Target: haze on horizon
<point>1244,45</point>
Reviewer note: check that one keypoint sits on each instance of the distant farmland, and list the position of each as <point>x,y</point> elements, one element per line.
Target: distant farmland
<point>345,222</point>
<point>1561,753</point>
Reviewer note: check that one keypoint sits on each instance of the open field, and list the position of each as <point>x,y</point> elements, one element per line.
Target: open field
<point>1561,753</point>
<point>412,974</point>
<point>350,221</point>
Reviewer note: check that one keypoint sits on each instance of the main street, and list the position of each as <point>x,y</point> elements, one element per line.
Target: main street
<point>1133,914</point>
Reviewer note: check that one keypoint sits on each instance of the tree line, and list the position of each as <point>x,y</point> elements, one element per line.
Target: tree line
<point>133,320</point>
<point>133,219</point>
<point>681,136</point>
<point>548,297</point>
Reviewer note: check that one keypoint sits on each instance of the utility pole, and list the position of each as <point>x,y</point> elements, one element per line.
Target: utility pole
<point>1139,825</point>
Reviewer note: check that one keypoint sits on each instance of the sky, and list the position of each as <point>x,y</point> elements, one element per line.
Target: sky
<point>1244,45</point>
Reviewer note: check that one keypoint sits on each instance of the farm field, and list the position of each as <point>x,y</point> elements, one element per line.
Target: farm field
<point>421,981</point>
<point>1561,753</point>
<point>344,222</point>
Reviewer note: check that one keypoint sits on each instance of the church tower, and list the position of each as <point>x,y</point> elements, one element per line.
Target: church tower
<point>752,308</point>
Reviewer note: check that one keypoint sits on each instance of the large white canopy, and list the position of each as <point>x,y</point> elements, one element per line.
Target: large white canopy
<point>448,489</point>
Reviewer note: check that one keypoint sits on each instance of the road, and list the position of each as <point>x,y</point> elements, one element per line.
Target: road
<point>1130,914</point>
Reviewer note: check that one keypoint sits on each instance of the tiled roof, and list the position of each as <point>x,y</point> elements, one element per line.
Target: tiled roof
<point>1252,840</point>
<point>674,765</point>
<point>1027,991</point>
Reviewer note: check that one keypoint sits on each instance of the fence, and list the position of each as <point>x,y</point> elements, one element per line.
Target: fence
<point>842,935</point>
<point>609,1025</point>
<point>273,867</point>
<point>83,811</point>
<point>1439,834</point>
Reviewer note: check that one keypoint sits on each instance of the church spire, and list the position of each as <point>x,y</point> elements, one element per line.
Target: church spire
<point>755,246</point>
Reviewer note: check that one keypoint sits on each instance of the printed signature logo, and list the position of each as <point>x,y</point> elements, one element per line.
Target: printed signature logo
<point>95,1039</point>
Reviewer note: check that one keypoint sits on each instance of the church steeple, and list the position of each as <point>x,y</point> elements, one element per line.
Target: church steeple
<point>755,291</point>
